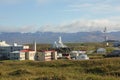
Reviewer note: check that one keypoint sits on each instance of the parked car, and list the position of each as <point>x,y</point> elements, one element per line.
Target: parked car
<point>115,53</point>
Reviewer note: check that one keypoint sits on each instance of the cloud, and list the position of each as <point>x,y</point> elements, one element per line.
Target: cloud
<point>27,28</point>
<point>83,26</point>
<point>86,7</point>
<point>95,7</point>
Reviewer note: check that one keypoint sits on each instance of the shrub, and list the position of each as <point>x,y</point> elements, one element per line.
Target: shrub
<point>97,70</point>
<point>20,72</point>
<point>51,78</point>
<point>114,73</point>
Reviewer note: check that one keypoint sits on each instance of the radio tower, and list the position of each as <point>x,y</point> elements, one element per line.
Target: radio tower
<point>105,36</point>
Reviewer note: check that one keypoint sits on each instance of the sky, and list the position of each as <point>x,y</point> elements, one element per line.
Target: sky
<point>59,15</point>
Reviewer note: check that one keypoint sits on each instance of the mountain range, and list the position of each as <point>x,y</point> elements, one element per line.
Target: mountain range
<point>51,37</point>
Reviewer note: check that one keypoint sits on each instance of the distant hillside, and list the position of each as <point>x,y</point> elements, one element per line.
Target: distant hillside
<point>50,37</point>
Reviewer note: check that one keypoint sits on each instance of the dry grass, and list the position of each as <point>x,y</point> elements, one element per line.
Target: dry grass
<point>98,69</point>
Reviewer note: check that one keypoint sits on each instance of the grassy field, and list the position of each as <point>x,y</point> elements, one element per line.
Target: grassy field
<point>98,69</point>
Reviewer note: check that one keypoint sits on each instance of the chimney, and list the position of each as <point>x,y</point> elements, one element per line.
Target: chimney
<point>35,47</point>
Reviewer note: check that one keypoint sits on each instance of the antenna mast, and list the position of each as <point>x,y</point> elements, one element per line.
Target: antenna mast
<point>105,36</point>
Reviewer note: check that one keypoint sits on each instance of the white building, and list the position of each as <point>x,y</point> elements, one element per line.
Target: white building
<point>29,54</point>
<point>79,55</point>
<point>17,55</point>
<point>22,55</point>
<point>59,44</point>
<point>3,43</point>
<point>73,54</point>
<point>5,49</point>
<point>82,57</point>
<point>47,55</point>
<point>101,51</point>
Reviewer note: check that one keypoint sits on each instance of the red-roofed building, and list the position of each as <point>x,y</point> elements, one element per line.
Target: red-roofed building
<point>25,54</point>
<point>29,54</point>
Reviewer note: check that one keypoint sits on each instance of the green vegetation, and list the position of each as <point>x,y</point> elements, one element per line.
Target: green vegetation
<point>96,69</point>
<point>77,46</point>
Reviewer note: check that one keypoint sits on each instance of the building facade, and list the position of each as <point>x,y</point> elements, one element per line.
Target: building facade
<point>17,55</point>
<point>46,55</point>
<point>6,49</point>
<point>22,55</point>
